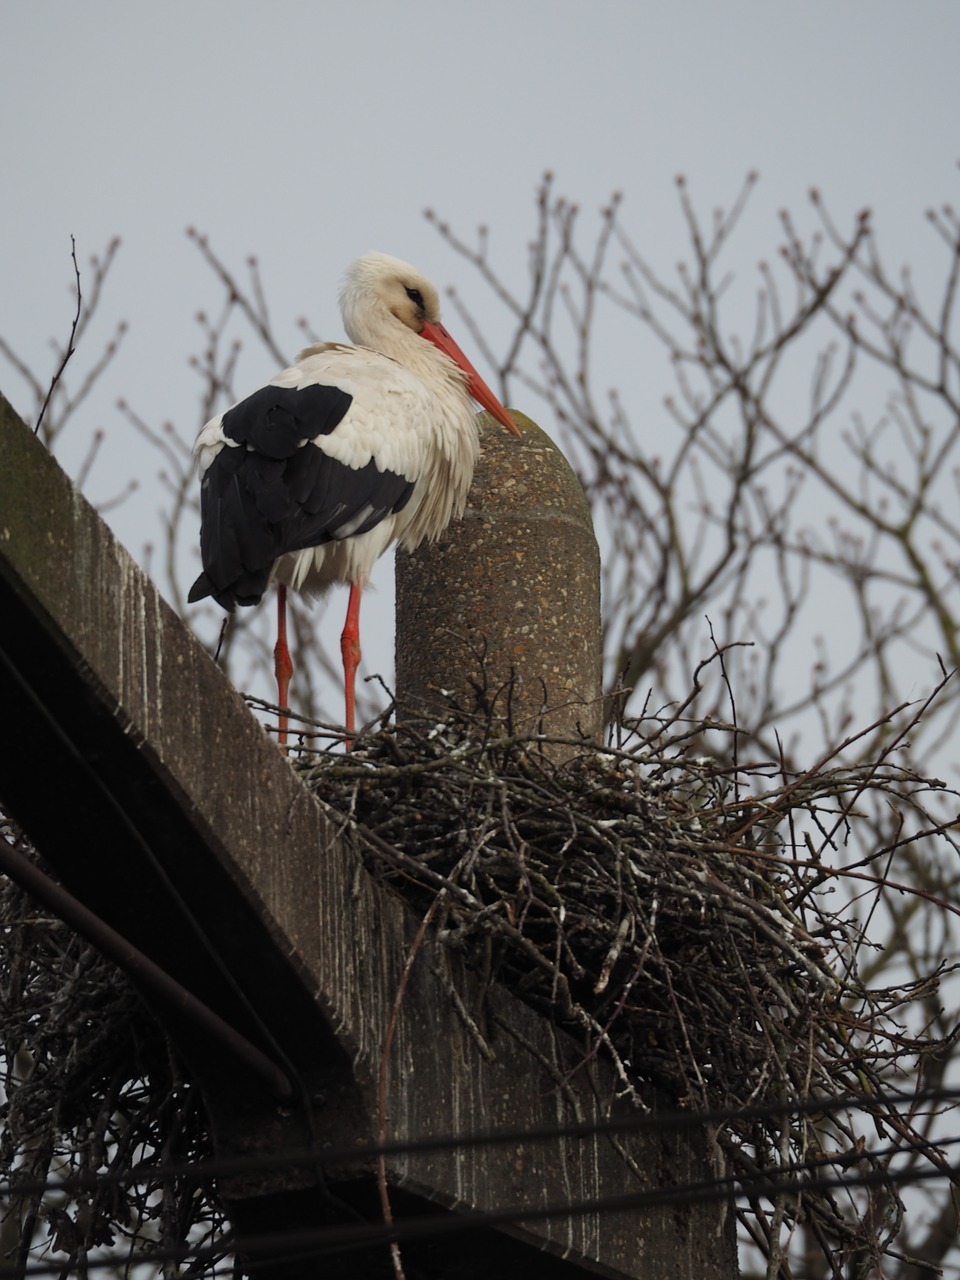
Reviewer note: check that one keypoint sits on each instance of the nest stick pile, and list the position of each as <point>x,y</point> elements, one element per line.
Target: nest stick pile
<point>670,911</point>
<point>615,909</point>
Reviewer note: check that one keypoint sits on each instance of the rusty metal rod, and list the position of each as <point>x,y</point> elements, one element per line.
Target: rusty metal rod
<point>140,967</point>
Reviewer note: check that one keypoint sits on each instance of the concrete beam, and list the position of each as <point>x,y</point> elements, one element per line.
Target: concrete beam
<point>161,803</point>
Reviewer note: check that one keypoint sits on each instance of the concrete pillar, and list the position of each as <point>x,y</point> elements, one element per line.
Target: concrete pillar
<point>508,601</point>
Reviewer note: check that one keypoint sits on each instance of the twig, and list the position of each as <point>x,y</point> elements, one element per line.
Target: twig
<point>70,347</point>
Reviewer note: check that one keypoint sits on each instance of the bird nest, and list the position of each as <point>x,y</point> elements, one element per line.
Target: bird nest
<point>670,909</point>
<point>619,906</point>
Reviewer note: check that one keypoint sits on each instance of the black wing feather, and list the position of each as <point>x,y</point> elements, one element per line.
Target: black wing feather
<point>276,491</point>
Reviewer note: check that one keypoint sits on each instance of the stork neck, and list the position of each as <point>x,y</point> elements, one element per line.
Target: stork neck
<point>391,337</point>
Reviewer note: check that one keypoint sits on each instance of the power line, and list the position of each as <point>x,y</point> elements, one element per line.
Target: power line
<point>674,1120</point>
<point>771,1181</point>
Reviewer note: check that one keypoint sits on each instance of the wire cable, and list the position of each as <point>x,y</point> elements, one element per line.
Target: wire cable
<point>316,1243</point>
<point>360,1154</point>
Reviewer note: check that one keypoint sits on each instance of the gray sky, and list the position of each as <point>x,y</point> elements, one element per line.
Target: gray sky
<point>310,132</point>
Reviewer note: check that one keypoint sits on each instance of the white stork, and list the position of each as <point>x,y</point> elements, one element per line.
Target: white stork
<point>310,479</point>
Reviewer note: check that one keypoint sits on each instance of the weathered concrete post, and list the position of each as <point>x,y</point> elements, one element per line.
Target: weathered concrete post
<point>508,601</point>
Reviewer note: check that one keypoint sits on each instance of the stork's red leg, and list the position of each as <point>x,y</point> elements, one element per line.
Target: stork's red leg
<point>350,648</point>
<point>283,664</point>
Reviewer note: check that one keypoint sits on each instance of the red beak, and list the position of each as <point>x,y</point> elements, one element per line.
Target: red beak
<point>438,335</point>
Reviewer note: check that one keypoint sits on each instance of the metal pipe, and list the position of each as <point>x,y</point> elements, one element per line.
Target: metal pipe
<point>140,967</point>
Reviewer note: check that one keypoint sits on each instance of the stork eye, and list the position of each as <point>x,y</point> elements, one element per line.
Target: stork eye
<point>416,297</point>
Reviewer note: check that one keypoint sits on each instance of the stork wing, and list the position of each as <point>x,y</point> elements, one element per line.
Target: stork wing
<point>273,485</point>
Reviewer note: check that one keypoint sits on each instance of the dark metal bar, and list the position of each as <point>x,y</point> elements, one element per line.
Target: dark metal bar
<point>140,967</point>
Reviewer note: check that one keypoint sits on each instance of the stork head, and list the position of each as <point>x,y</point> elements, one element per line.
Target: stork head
<point>376,283</point>
<point>379,291</point>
